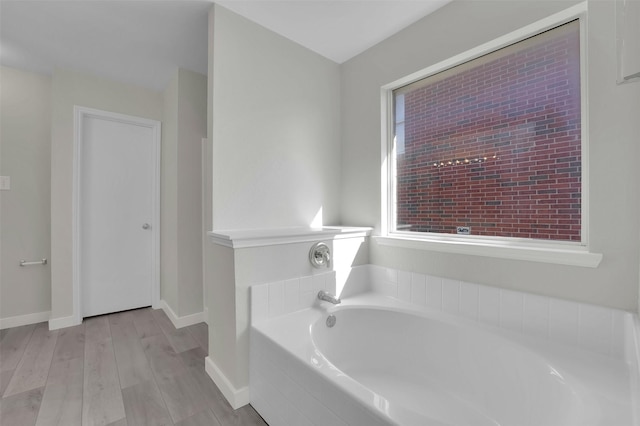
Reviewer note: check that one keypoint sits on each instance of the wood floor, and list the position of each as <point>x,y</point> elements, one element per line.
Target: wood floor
<point>125,369</point>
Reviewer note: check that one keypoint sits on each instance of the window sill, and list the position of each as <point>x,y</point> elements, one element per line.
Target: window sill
<point>574,256</point>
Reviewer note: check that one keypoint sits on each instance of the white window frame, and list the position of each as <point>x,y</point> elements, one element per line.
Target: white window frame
<point>559,252</point>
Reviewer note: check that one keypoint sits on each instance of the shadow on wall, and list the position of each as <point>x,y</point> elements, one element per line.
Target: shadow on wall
<point>347,254</point>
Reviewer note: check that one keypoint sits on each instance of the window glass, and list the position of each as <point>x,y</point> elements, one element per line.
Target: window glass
<point>493,147</point>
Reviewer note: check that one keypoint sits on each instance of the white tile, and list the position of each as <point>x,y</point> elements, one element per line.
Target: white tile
<point>563,321</point>
<point>595,326</point>
<point>319,282</point>
<point>619,334</point>
<point>535,319</point>
<point>259,302</point>
<point>511,309</point>
<point>386,289</point>
<point>391,275</point>
<point>469,300</point>
<point>330,282</point>
<point>276,299</point>
<point>306,283</point>
<point>291,294</point>
<point>307,299</point>
<point>376,274</point>
<point>451,296</point>
<point>489,305</point>
<point>434,292</point>
<point>418,289</point>
<point>357,280</point>
<point>404,286</point>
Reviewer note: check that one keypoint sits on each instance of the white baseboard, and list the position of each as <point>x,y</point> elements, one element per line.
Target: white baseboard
<point>236,397</point>
<point>56,323</point>
<point>179,322</point>
<point>19,320</point>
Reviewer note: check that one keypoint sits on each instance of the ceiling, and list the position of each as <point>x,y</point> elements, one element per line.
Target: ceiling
<point>336,29</point>
<point>144,42</point>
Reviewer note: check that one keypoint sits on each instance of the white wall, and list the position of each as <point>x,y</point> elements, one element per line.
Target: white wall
<point>169,196</point>
<point>275,144</point>
<point>184,126</point>
<point>208,270</point>
<point>192,128</point>
<point>613,137</point>
<point>221,301</point>
<point>276,132</point>
<point>71,88</point>
<point>25,114</point>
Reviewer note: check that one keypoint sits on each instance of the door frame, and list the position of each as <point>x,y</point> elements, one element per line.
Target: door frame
<point>79,115</point>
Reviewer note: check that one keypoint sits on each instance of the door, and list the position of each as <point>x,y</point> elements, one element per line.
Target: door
<point>117,208</point>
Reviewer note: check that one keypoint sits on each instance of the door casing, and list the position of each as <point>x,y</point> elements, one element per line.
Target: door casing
<point>79,114</point>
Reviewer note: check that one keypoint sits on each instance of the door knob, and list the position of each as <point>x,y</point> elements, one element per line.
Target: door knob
<point>146,226</point>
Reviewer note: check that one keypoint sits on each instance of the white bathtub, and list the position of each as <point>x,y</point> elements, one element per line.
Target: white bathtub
<point>387,362</point>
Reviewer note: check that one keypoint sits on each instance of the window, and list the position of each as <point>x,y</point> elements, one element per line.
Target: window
<point>492,146</point>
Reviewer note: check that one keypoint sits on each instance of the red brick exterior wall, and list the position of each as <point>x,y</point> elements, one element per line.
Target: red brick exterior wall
<point>522,108</point>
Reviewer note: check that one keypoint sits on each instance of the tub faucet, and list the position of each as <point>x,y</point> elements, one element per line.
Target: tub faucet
<point>328,297</point>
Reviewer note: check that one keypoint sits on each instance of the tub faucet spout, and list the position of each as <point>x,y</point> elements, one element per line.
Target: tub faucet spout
<point>328,297</point>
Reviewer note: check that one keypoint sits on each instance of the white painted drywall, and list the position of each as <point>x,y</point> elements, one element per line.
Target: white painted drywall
<point>275,145</point>
<point>25,114</point>
<point>221,301</point>
<point>276,129</point>
<point>71,88</point>
<point>613,133</point>
<point>208,270</point>
<point>185,124</point>
<point>192,127</point>
<point>169,197</point>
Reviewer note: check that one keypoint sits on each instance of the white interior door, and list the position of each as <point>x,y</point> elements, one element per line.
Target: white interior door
<point>116,214</point>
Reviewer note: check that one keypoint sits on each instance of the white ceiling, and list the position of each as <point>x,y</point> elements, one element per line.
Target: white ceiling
<point>144,42</point>
<point>336,29</point>
<point>137,42</point>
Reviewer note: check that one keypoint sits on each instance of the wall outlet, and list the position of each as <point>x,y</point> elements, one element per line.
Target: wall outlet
<point>463,230</point>
<point>5,183</point>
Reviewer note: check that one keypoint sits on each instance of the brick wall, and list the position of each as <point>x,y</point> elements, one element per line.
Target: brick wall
<point>522,112</point>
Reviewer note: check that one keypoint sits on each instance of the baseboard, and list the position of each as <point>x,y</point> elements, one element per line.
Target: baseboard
<point>62,322</point>
<point>19,320</point>
<point>236,397</point>
<point>179,322</point>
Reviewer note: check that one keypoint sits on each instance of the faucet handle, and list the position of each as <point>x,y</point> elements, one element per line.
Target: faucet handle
<point>320,255</point>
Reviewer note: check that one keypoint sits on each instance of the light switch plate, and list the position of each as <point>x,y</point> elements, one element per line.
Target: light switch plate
<point>5,183</point>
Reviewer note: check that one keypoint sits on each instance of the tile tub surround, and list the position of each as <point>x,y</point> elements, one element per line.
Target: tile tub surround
<point>292,384</point>
<point>285,391</point>
<point>283,297</point>
<point>594,328</point>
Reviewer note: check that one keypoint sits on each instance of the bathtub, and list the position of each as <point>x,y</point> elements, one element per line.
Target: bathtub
<point>387,362</point>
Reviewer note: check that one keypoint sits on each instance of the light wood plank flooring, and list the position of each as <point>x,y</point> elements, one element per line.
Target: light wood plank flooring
<point>125,369</point>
